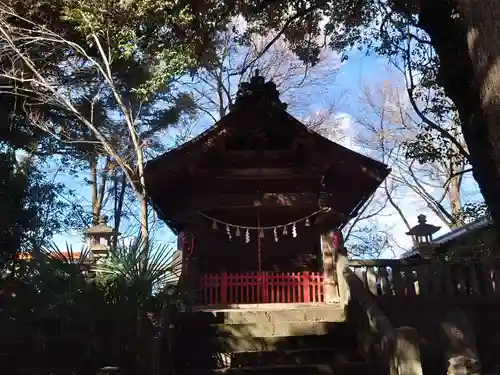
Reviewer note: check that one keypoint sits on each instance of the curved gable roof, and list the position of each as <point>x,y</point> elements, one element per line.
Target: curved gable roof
<point>167,174</point>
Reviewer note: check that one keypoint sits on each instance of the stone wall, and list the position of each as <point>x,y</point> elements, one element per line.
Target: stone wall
<point>481,334</point>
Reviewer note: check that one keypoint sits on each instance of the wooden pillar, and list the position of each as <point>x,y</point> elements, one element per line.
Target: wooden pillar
<point>459,344</point>
<point>331,294</point>
<point>405,354</point>
<point>189,280</point>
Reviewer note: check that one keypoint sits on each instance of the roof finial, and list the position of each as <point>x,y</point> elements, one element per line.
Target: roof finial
<point>256,89</point>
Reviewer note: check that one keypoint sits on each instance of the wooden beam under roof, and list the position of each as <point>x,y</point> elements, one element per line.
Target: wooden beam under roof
<point>259,154</point>
<point>212,185</point>
<point>306,184</point>
<point>219,165</point>
<point>259,171</point>
<point>264,158</point>
<point>273,215</point>
<point>223,201</point>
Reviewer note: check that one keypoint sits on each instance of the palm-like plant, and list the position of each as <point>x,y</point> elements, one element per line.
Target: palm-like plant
<point>126,263</point>
<point>146,289</point>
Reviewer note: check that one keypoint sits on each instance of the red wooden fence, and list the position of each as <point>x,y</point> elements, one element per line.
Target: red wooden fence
<point>261,287</point>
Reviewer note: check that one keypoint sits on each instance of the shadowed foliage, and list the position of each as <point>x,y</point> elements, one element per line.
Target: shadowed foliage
<point>69,323</point>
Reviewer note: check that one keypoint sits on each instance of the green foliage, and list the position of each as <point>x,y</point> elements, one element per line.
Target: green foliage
<point>70,324</point>
<point>95,100</point>
<point>32,212</point>
<point>365,242</point>
<point>144,44</point>
<point>473,212</point>
<point>429,146</point>
<point>16,218</point>
<point>114,63</point>
<point>166,37</point>
<point>479,238</point>
<point>476,244</point>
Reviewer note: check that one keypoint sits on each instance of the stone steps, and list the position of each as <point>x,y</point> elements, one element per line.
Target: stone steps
<point>308,356</point>
<point>330,313</point>
<point>240,339</point>
<point>275,329</point>
<point>306,321</point>
<point>313,369</point>
<point>233,351</point>
<point>306,340</point>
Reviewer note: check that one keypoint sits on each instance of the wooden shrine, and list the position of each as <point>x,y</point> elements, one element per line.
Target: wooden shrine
<point>255,201</point>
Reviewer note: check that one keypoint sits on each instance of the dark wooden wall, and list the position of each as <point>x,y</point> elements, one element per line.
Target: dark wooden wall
<point>215,253</point>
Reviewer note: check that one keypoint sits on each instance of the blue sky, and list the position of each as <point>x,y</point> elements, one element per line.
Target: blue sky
<point>374,70</point>
<point>360,67</point>
<point>344,88</point>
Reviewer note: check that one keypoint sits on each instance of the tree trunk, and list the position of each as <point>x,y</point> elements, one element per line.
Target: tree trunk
<point>466,37</point>
<point>454,197</point>
<point>93,182</point>
<point>98,187</point>
<point>120,187</point>
<point>143,202</point>
<point>144,226</point>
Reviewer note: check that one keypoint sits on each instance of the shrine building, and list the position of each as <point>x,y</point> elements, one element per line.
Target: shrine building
<point>258,201</point>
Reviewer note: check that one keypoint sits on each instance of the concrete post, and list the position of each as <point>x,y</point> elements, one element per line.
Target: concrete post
<point>459,344</point>
<point>340,259</point>
<point>331,294</point>
<point>405,354</point>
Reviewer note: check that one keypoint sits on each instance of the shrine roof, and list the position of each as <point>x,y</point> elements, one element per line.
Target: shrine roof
<point>179,156</point>
<point>257,103</point>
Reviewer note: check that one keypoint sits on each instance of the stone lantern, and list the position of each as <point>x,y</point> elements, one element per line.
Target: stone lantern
<point>100,239</point>
<point>422,234</point>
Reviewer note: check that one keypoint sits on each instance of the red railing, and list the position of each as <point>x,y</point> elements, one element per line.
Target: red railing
<point>261,287</point>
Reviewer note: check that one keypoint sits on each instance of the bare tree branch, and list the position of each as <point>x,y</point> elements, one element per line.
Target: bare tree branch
<point>285,27</point>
